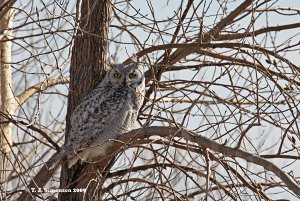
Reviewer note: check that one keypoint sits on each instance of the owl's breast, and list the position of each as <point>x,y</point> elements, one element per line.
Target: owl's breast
<point>109,118</point>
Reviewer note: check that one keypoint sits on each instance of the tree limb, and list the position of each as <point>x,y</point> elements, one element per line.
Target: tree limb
<point>208,143</point>
<point>5,6</point>
<point>25,95</point>
<point>257,32</point>
<point>44,175</point>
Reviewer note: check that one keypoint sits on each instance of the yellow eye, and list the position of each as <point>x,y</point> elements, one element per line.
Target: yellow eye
<point>132,75</point>
<point>117,75</point>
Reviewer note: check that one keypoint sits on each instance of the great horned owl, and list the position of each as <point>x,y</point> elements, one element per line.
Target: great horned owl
<point>107,112</point>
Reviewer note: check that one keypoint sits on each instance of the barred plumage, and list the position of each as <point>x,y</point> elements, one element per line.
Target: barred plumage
<point>107,112</point>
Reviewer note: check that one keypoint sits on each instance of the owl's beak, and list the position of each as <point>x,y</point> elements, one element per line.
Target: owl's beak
<point>126,83</point>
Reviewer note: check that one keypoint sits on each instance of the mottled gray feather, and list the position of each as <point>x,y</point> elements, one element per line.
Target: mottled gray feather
<point>106,112</point>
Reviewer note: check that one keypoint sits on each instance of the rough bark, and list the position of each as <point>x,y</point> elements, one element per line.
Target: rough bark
<point>7,99</point>
<point>88,60</point>
<point>5,7</point>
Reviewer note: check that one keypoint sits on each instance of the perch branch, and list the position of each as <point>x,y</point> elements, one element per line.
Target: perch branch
<point>43,176</point>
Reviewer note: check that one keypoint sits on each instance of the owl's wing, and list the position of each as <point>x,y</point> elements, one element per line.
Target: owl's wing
<point>76,138</point>
<point>79,116</point>
<point>94,113</point>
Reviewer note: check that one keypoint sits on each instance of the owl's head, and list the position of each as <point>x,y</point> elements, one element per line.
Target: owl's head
<point>131,75</point>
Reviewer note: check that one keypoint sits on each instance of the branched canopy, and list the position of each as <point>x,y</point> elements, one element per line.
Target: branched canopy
<point>221,117</point>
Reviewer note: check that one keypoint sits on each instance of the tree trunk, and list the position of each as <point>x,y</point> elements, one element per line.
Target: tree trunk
<point>89,55</point>
<point>7,99</point>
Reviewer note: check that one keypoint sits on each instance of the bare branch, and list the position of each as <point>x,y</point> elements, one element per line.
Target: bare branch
<point>25,95</point>
<point>44,175</point>
<point>257,32</point>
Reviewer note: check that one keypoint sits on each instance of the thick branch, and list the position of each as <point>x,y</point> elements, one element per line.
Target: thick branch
<point>5,6</point>
<point>43,176</point>
<point>208,143</point>
<point>257,32</point>
<point>207,37</point>
<point>213,33</point>
<point>25,95</point>
<point>199,48</point>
